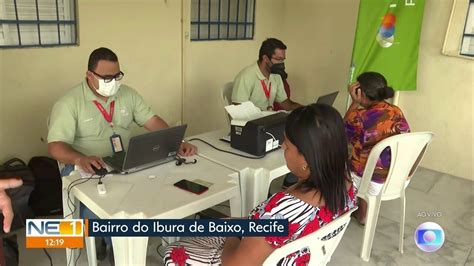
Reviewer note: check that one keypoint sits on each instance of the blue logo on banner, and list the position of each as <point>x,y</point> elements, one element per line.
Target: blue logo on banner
<point>187,227</point>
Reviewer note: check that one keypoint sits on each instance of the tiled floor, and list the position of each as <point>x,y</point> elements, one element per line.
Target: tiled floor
<point>429,191</point>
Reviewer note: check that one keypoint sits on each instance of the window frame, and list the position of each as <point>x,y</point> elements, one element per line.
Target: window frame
<point>464,34</point>
<point>455,30</point>
<point>220,22</point>
<point>71,34</point>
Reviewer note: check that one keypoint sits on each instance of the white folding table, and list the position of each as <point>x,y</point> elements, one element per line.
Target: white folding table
<point>150,194</point>
<point>255,174</point>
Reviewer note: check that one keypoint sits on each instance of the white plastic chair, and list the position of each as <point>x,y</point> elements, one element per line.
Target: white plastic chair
<point>321,243</point>
<point>407,150</point>
<point>227,93</point>
<point>227,97</point>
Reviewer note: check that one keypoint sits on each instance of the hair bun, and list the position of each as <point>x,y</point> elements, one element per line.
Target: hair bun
<point>388,92</point>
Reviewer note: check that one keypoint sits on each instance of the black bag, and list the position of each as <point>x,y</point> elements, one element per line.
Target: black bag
<point>10,250</point>
<point>19,196</point>
<point>46,199</point>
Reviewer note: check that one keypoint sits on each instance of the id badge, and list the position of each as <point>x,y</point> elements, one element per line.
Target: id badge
<point>116,142</point>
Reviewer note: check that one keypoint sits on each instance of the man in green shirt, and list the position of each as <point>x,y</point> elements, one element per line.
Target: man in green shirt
<point>84,122</point>
<point>259,82</point>
<point>79,129</point>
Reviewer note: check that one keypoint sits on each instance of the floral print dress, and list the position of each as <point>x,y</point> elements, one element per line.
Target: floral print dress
<point>367,127</point>
<point>303,219</point>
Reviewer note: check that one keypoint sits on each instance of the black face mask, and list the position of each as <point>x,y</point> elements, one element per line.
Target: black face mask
<point>279,69</point>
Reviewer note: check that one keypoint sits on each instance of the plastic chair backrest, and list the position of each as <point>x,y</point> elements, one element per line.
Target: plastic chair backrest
<point>227,93</point>
<point>60,164</point>
<point>321,243</point>
<point>227,97</point>
<point>406,151</point>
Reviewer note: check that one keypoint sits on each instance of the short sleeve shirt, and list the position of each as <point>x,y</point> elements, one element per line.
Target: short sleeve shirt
<point>77,121</point>
<point>248,87</point>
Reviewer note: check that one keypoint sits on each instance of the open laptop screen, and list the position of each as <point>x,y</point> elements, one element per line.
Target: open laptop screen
<point>154,146</point>
<point>328,98</point>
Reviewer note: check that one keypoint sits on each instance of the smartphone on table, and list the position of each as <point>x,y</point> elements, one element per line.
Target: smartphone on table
<point>191,186</point>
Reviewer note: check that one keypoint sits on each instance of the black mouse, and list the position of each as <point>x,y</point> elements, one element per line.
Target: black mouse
<point>101,171</point>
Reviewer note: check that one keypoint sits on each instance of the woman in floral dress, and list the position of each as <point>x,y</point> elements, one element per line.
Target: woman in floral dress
<point>315,149</point>
<point>369,120</point>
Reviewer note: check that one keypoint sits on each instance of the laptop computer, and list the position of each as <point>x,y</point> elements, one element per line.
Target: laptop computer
<point>328,98</point>
<point>148,150</point>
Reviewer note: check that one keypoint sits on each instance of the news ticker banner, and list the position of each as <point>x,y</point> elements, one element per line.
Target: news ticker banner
<point>70,233</point>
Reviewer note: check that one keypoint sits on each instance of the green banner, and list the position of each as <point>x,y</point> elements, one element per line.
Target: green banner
<point>387,40</point>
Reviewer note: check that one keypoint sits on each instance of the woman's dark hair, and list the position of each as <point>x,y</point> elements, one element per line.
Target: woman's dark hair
<point>98,54</point>
<point>268,48</point>
<point>318,133</point>
<point>374,85</point>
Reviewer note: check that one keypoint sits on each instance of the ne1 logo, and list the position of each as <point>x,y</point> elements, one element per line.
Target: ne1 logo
<point>54,233</point>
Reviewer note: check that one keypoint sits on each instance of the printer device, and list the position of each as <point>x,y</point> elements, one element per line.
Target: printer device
<point>260,135</point>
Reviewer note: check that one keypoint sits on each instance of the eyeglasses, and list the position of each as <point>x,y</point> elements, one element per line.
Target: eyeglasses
<point>279,60</point>
<point>109,78</point>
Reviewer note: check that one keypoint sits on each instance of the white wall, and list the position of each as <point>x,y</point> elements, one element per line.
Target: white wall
<point>443,101</point>
<point>148,49</point>
<point>2,105</point>
<point>319,35</point>
<point>209,65</point>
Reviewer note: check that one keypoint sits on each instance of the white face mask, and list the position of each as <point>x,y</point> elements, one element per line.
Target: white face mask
<point>108,89</point>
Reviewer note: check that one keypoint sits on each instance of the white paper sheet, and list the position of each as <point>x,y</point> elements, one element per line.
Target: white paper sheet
<point>244,112</point>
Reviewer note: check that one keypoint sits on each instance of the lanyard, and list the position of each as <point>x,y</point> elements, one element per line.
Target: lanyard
<point>108,116</point>
<point>265,89</point>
